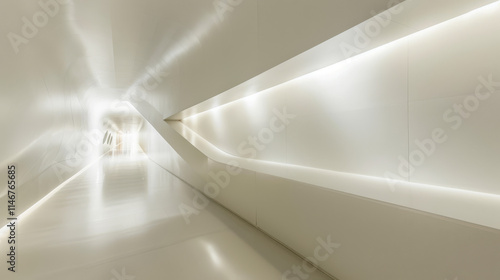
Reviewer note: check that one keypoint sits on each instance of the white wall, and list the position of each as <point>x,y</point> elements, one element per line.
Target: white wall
<point>159,151</point>
<point>364,115</point>
<point>359,116</point>
<point>50,100</point>
<point>377,240</point>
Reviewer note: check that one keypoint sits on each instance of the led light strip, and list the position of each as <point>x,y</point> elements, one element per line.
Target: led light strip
<point>54,191</point>
<point>467,14</point>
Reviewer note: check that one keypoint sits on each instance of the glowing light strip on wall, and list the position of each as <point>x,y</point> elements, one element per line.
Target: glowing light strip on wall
<point>35,206</point>
<point>481,202</point>
<point>471,13</point>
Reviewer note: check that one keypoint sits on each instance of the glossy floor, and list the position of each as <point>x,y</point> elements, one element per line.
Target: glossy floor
<point>120,220</point>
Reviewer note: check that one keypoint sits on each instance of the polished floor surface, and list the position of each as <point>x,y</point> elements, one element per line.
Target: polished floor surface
<point>120,220</point>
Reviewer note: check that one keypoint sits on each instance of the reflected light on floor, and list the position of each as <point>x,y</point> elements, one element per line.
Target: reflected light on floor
<point>52,193</point>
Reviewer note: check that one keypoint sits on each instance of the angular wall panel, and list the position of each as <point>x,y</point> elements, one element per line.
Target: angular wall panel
<point>455,87</point>
<point>353,116</point>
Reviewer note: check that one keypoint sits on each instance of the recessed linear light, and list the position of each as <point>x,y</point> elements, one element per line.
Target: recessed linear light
<point>460,17</point>
<point>52,193</point>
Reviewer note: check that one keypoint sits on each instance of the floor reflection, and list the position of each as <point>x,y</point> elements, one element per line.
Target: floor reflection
<point>121,218</point>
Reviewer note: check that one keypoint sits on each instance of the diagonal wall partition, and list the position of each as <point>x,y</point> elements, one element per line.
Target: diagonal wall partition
<point>392,150</point>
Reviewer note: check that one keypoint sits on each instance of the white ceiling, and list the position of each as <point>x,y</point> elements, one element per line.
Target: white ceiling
<point>203,51</point>
<point>86,55</point>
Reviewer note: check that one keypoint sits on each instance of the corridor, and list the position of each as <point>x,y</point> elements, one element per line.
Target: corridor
<point>250,139</point>
<point>120,220</point>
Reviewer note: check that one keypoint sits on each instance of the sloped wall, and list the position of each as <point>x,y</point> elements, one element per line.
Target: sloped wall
<point>421,109</point>
<point>372,115</point>
<point>49,97</point>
